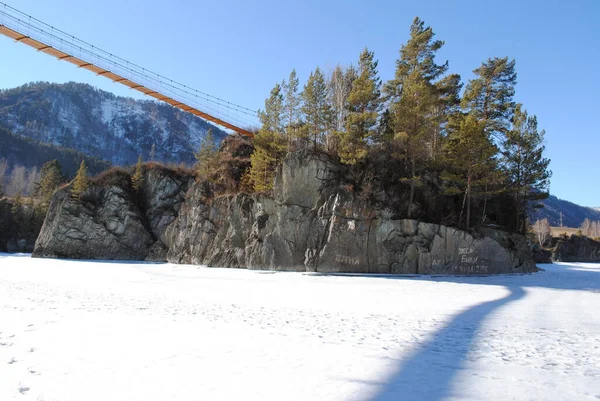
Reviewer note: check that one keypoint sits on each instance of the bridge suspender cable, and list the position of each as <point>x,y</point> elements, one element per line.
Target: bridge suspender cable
<point>35,33</point>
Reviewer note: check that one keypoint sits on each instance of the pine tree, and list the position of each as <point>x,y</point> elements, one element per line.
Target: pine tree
<point>469,157</point>
<point>207,155</point>
<point>270,144</point>
<point>447,104</point>
<point>525,165</point>
<point>316,108</point>
<point>490,95</point>
<point>291,104</point>
<point>272,117</point>
<point>364,104</point>
<point>415,93</point>
<point>138,176</point>
<point>81,182</point>
<point>51,178</point>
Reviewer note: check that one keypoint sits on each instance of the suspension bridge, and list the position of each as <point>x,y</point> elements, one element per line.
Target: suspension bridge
<point>56,43</point>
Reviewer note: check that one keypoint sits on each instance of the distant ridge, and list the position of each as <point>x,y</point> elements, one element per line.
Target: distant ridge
<point>573,214</point>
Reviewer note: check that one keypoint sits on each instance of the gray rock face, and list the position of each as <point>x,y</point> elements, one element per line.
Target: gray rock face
<point>110,227</point>
<point>309,224</point>
<point>110,224</point>
<point>304,229</point>
<point>577,249</point>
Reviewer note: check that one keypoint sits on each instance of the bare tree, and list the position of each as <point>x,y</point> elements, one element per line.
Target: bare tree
<point>16,184</point>
<point>33,176</point>
<point>339,87</point>
<point>586,227</point>
<point>542,230</point>
<point>596,229</point>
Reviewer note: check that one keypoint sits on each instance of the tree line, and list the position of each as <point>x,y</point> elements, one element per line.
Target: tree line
<point>478,144</point>
<point>23,212</point>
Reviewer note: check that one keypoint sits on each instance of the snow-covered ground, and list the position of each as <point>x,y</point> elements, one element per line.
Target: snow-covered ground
<point>111,331</point>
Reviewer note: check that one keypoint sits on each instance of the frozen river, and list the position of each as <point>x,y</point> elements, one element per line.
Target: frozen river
<point>72,330</point>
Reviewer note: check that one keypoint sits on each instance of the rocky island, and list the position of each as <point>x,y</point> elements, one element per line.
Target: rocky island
<point>308,223</point>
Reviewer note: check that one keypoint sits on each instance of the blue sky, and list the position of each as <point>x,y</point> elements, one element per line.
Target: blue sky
<point>238,50</point>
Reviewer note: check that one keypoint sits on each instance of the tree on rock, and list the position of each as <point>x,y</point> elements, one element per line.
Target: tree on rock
<point>490,95</point>
<point>364,104</point>
<point>138,176</point>
<point>291,104</point>
<point>270,144</point>
<point>51,178</point>
<point>469,156</point>
<point>316,108</point>
<point>415,96</point>
<point>525,165</point>
<point>81,182</point>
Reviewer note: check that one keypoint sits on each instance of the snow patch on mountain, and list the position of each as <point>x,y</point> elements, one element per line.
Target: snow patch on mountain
<point>98,123</point>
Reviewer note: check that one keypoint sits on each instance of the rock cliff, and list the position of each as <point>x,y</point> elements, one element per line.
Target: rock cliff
<point>112,221</point>
<point>576,249</point>
<point>310,223</point>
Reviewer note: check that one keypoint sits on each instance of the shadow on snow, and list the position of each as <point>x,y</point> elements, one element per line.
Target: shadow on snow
<point>427,373</point>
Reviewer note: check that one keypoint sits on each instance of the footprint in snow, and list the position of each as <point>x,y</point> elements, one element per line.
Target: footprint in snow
<point>23,389</point>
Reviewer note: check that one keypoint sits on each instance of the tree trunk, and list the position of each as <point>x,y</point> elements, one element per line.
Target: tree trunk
<point>412,187</point>
<point>485,197</point>
<point>462,209</point>
<point>468,202</point>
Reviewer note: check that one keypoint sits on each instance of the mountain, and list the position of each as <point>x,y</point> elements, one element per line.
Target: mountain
<point>100,124</point>
<point>31,153</point>
<point>573,214</point>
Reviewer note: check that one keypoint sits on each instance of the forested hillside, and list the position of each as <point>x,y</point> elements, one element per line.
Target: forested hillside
<point>102,125</point>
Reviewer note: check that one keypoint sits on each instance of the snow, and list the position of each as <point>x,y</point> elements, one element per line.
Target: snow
<point>80,330</point>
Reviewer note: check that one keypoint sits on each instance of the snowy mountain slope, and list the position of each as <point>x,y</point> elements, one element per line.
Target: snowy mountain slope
<point>101,124</point>
<point>99,331</point>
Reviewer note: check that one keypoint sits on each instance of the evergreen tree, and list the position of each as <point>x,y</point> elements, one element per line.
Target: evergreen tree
<point>270,145</point>
<point>272,117</point>
<point>138,176</point>
<point>414,95</point>
<point>291,104</point>
<point>469,157</point>
<point>447,104</point>
<point>51,178</point>
<point>416,56</point>
<point>525,165</point>
<point>364,104</point>
<point>81,182</point>
<point>207,155</point>
<point>269,150</point>
<point>316,108</point>
<point>490,95</point>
